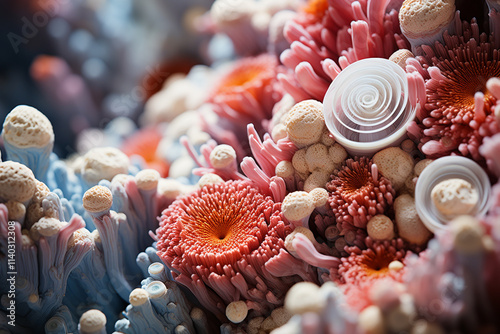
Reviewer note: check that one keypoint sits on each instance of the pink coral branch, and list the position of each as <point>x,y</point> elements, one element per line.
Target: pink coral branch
<point>307,252</point>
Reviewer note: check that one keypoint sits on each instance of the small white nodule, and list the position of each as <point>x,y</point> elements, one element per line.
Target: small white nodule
<point>237,311</point>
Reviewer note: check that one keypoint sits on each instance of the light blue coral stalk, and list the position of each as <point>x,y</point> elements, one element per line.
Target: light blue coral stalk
<point>143,262</point>
<point>89,286</point>
<point>43,267</point>
<point>108,226</point>
<point>61,323</point>
<point>61,177</point>
<point>142,319</point>
<point>140,209</point>
<point>56,263</point>
<point>36,159</point>
<point>167,302</point>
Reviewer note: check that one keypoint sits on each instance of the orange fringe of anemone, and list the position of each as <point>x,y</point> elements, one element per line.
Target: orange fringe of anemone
<point>316,10</point>
<point>217,226</point>
<point>144,143</point>
<point>454,98</point>
<point>362,269</point>
<point>252,75</point>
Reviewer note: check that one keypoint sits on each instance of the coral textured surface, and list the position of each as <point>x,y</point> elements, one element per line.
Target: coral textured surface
<point>250,167</point>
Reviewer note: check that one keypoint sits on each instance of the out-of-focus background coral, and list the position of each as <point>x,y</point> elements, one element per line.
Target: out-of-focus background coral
<point>86,62</point>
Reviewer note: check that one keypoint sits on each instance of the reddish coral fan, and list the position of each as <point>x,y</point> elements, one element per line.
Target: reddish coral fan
<point>458,113</point>
<point>358,193</point>
<point>217,241</point>
<point>325,30</point>
<point>144,143</point>
<point>364,268</point>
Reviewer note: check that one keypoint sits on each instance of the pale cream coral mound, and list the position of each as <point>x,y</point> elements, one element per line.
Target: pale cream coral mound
<point>17,182</point>
<point>97,199</point>
<point>297,206</point>
<point>401,56</point>
<point>410,227</point>
<point>222,156</point>
<point>147,179</point>
<point>27,127</point>
<point>394,164</point>
<point>421,17</point>
<point>103,163</point>
<point>380,227</point>
<point>454,197</point>
<point>46,227</point>
<point>92,321</point>
<point>305,122</point>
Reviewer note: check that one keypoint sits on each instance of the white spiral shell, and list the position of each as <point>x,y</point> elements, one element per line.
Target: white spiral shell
<point>445,168</point>
<point>366,107</point>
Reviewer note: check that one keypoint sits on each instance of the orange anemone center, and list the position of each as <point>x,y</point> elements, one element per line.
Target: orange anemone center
<point>355,181</point>
<point>316,8</point>
<point>376,264</point>
<point>456,95</point>
<point>224,224</point>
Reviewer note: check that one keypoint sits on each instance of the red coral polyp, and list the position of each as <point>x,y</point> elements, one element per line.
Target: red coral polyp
<point>357,192</point>
<point>371,264</point>
<point>223,235</point>
<point>255,76</point>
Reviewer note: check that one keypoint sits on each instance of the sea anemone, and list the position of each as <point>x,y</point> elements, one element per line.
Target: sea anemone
<point>357,273</point>
<point>247,92</point>
<point>325,30</point>
<point>358,193</point>
<point>219,238</point>
<point>144,143</point>
<point>372,263</point>
<point>458,113</point>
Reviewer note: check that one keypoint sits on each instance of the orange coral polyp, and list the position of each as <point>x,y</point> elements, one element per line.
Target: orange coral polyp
<point>249,74</point>
<point>144,143</point>
<point>375,264</point>
<point>240,78</point>
<point>227,228</point>
<point>216,226</point>
<point>456,95</point>
<point>317,8</point>
<point>356,195</point>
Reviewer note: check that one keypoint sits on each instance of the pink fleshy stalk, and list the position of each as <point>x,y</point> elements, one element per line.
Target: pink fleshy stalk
<point>490,151</point>
<point>268,153</point>
<point>307,252</point>
<point>230,173</point>
<point>273,185</point>
<point>351,29</point>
